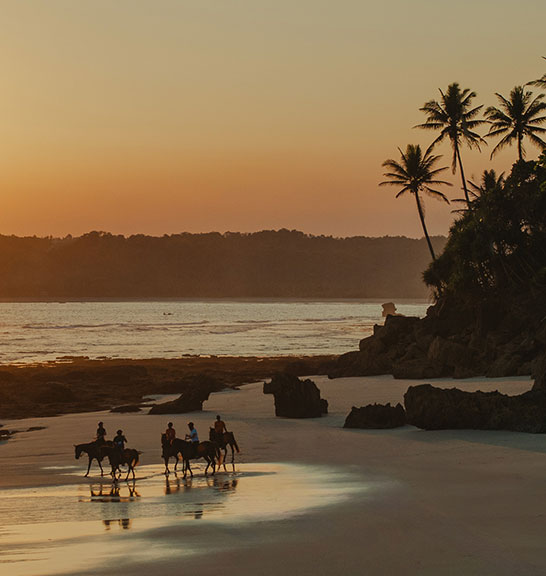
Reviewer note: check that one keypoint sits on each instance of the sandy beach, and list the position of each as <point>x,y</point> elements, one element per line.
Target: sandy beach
<point>304,496</point>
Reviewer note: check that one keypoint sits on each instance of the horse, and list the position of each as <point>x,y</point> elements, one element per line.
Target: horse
<point>189,451</point>
<point>116,457</point>
<point>92,449</point>
<point>223,440</point>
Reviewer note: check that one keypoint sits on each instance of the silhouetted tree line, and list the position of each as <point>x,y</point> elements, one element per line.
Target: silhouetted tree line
<point>279,263</point>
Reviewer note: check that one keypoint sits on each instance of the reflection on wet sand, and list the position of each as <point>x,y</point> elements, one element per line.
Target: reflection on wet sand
<point>45,529</point>
<point>114,492</point>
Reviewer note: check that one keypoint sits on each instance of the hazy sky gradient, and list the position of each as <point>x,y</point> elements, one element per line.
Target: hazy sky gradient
<point>169,116</point>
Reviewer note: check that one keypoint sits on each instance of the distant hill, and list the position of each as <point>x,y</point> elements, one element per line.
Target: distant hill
<point>282,264</point>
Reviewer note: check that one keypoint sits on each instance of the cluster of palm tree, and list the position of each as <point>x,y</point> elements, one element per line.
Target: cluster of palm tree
<point>519,116</point>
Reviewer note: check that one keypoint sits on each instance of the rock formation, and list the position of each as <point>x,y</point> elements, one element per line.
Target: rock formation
<point>450,342</point>
<point>434,408</point>
<point>295,398</point>
<point>191,400</point>
<point>376,416</point>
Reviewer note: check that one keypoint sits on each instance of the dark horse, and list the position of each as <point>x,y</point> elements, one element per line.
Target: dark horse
<point>92,449</point>
<point>189,451</point>
<point>117,457</point>
<point>224,440</point>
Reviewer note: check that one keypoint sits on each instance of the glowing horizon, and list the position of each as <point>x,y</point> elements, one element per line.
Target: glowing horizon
<point>133,117</point>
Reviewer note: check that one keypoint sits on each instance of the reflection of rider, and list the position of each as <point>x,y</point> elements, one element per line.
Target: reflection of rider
<point>101,433</point>
<point>193,437</point>
<point>219,426</point>
<point>170,433</point>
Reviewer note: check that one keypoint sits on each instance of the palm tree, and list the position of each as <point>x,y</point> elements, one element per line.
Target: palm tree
<point>488,183</point>
<point>455,118</point>
<point>517,117</point>
<point>416,173</point>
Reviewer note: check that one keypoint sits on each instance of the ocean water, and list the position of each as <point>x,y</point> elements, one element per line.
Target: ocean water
<point>44,331</point>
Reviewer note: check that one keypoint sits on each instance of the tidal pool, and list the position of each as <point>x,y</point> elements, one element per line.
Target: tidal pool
<point>54,530</point>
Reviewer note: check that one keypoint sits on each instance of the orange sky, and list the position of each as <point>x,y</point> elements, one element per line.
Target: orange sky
<point>170,116</point>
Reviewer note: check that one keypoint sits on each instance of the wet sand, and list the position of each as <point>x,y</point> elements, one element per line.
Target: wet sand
<point>305,497</point>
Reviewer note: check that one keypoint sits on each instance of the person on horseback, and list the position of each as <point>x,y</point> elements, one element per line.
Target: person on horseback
<point>101,434</point>
<point>170,433</point>
<point>219,426</point>
<point>193,437</point>
<point>119,441</point>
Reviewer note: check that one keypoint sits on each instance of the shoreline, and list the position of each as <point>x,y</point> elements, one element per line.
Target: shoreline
<point>455,488</point>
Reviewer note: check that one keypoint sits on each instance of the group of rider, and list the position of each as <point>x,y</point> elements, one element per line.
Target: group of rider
<point>120,440</point>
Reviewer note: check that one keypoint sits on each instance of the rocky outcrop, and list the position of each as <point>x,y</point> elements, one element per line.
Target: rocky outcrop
<point>434,408</point>
<point>295,398</point>
<point>191,400</point>
<point>374,416</point>
<point>451,341</point>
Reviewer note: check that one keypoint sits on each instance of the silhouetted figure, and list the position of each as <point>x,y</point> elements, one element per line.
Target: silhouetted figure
<point>101,434</point>
<point>170,433</point>
<point>119,440</point>
<point>193,437</point>
<point>219,425</point>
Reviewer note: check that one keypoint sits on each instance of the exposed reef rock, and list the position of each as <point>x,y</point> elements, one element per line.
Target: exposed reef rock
<point>295,398</point>
<point>191,400</point>
<point>438,409</point>
<point>376,416</point>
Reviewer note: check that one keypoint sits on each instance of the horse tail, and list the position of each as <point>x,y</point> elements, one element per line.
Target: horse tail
<point>136,459</point>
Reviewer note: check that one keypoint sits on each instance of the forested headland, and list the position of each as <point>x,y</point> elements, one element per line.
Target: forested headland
<point>267,264</point>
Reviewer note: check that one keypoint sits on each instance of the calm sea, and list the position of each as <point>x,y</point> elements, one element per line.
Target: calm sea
<point>37,332</point>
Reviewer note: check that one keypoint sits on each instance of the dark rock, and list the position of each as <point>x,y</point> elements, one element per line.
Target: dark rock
<point>539,373</point>
<point>36,428</point>
<point>438,409</point>
<point>126,408</point>
<point>295,398</point>
<point>376,416</point>
<point>191,399</point>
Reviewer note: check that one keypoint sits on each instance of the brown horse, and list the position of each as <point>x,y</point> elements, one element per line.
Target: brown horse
<point>117,457</point>
<point>224,440</point>
<point>92,449</point>
<point>189,451</point>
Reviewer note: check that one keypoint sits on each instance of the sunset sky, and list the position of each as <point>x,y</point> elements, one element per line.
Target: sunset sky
<point>160,117</point>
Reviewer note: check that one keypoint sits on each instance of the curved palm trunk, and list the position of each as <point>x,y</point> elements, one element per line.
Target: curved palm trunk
<point>467,197</point>
<point>422,217</point>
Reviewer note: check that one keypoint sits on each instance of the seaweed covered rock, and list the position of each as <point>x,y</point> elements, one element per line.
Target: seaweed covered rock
<point>295,398</point>
<point>434,408</point>
<point>375,416</point>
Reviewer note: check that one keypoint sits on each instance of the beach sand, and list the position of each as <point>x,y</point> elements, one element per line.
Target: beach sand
<point>306,497</point>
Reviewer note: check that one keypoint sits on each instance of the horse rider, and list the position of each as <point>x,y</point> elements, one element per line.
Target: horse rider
<point>101,433</point>
<point>170,433</point>
<point>193,437</point>
<point>119,441</point>
<point>219,426</point>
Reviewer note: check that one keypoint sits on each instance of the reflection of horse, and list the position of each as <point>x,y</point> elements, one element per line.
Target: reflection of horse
<point>223,440</point>
<point>112,493</point>
<point>117,457</point>
<point>93,450</point>
<point>189,451</point>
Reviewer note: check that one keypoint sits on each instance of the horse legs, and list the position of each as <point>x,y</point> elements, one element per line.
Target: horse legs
<point>100,466</point>
<point>88,467</point>
<point>232,454</point>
